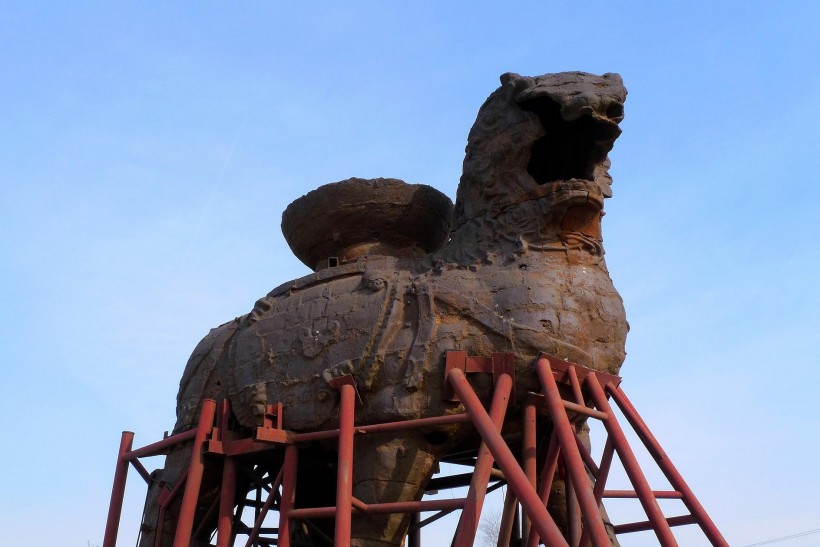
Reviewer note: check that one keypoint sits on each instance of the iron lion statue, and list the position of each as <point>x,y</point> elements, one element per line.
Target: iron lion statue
<point>401,276</point>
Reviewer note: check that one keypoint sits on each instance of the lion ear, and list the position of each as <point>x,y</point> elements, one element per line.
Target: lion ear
<point>508,77</point>
<point>613,76</point>
<point>519,82</point>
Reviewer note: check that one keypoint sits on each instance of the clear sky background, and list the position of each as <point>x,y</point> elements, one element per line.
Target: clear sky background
<point>148,150</point>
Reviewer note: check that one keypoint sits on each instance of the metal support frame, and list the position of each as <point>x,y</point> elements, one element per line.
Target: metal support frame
<point>548,416</point>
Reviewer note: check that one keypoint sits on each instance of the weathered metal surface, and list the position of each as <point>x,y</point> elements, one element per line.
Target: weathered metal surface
<point>523,271</point>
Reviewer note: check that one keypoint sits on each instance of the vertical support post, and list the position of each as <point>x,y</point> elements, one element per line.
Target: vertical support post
<point>528,456</point>
<point>571,455</point>
<point>227,495</point>
<point>603,470</point>
<point>573,514</point>
<point>288,494</point>
<point>414,537</point>
<point>344,477</point>
<point>668,468</point>
<point>631,465</point>
<point>547,475</point>
<point>196,469</point>
<point>516,479</point>
<point>226,501</point>
<point>468,523</point>
<point>505,531</point>
<point>112,524</point>
<point>601,478</point>
<point>575,385</point>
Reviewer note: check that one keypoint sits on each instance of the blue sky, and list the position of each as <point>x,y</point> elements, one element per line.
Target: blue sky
<point>148,151</point>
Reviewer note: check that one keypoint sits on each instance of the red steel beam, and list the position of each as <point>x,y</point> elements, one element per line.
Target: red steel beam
<point>571,456</point>
<point>288,494</point>
<point>383,428</point>
<point>576,385</point>
<point>586,456</point>
<point>164,502</point>
<point>468,523</point>
<point>344,474</point>
<point>603,470</point>
<point>112,524</point>
<point>227,497</point>
<point>159,447</point>
<point>569,406</point>
<point>646,525</point>
<point>528,455</point>
<point>659,494</point>
<point>600,478</point>
<point>631,466</point>
<point>146,476</point>
<point>675,478</point>
<point>545,483</point>
<point>414,535</point>
<point>380,508</point>
<point>507,519</point>
<point>573,514</point>
<point>196,469</point>
<point>516,479</point>
<point>257,525</point>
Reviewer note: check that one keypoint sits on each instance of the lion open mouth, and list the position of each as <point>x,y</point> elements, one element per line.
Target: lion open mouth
<point>571,148</point>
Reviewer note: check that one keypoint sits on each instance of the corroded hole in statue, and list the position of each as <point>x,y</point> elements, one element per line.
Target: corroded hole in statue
<point>395,285</point>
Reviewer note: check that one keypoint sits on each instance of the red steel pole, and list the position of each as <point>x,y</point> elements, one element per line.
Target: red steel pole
<point>187,510</point>
<point>576,385</point>
<point>112,525</point>
<point>227,495</point>
<point>507,519</point>
<point>344,476</point>
<point>571,455</point>
<point>274,488</point>
<point>528,456</point>
<point>631,465</point>
<point>160,447</point>
<point>468,523</point>
<point>516,479</point>
<point>382,428</point>
<point>288,494</point>
<point>226,501</point>
<point>603,471</point>
<point>380,508</point>
<point>573,514</point>
<point>545,485</point>
<point>601,477</point>
<point>414,537</point>
<point>668,468</point>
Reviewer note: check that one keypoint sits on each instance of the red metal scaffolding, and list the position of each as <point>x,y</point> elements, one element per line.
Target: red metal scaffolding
<point>496,464</point>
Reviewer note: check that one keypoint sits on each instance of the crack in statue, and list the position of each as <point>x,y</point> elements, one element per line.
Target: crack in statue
<point>401,277</point>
